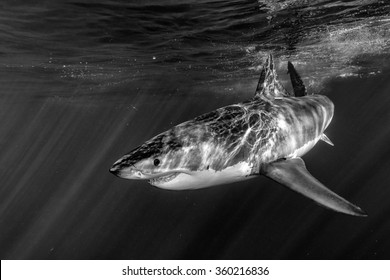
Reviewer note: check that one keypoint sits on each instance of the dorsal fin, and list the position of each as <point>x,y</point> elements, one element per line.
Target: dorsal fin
<point>297,83</point>
<point>268,85</point>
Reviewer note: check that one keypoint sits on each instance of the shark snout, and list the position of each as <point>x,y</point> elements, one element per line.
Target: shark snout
<point>126,171</point>
<point>115,170</point>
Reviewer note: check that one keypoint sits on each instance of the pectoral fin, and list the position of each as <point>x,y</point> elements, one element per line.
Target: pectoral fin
<point>293,174</point>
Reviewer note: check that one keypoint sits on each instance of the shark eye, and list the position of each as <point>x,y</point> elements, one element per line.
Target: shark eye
<point>156,162</point>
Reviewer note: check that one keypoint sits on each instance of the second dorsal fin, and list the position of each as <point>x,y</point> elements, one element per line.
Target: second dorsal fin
<point>268,86</point>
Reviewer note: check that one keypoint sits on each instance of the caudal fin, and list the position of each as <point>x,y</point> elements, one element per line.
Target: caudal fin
<point>297,83</point>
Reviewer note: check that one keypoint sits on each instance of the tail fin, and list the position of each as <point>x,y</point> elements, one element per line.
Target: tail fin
<point>297,83</point>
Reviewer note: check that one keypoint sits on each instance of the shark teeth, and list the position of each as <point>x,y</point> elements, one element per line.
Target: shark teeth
<point>164,179</point>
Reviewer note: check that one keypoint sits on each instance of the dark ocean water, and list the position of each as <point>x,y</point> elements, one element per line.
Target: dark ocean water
<point>82,83</point>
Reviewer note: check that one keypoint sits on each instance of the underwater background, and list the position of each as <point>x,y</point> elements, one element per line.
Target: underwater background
<point>84,82</point>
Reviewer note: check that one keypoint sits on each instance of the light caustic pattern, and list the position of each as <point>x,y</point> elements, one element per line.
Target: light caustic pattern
<point>256,132</point>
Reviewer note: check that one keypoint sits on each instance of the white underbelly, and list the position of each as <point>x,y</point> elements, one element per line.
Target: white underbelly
<point>304,149</point>
<point>208,178</point>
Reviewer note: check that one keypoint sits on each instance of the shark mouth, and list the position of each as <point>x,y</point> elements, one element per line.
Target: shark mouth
<point>164,179</point>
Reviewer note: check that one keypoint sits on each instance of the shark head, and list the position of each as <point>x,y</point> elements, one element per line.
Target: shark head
<point>184,157</point>
<point>162,160</point>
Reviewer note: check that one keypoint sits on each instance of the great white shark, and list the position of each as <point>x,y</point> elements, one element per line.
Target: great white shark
<point>266,135</point>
